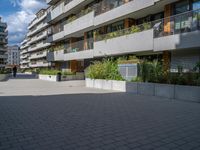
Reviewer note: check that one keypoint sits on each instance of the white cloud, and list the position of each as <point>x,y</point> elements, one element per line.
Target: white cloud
<point>18,22</point>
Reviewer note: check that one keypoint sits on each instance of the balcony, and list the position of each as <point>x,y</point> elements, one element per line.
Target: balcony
<point>39,64</point>
<point>77,51</point>
<point>51,1</point>
<point>38,55</point>
<point>37,20</point>
<point>57,36</point>
<point>37,29</point>
<point>24,56</point>
<point>125,41</point>
<point>81,24</point>
<point>109,11</point>
<point>181,31</point>
<point>39,46</point>
<point>24,61</point>
<point>2,24</point>
<point>5,33</point>
<point>38,37</point>
<point>3,56</point>
<point>3,41</point>
<point>65,8</point>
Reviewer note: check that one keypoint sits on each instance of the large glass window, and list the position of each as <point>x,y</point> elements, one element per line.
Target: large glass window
<point>182,22</point>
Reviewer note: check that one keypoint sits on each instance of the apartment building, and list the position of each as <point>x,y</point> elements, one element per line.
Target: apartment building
<point>24,54</point>
<point>13,56</point>
<point>81,31</point>
<point>3,44</point>
<point>34,47</point>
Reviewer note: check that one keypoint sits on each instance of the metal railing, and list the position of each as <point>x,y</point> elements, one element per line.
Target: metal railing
<point>80,14</point>
<point>68,1</point>
<point>80,46</point>
<point>181,23</point>
<point>107,5</point>
<point>131,30</point>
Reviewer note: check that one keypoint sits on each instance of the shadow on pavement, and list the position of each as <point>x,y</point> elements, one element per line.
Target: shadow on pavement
<point>23,76</point>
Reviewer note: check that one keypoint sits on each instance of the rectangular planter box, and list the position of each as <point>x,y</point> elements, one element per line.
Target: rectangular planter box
<point>89,82</point>
<point>132,87</point>
<point>187,93</point>
<point>119,85</point>
<point>3,77</point>
<point>146,89</point>
<point>98,84</point>
<point>164,90</point>
<point>180,92</point>
<point>107,84</point>
<point>48,77</point>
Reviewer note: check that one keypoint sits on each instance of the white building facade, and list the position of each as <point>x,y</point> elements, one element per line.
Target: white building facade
<point>79,32</point>
<point>13,56</point>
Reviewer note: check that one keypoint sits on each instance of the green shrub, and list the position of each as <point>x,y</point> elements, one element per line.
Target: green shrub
<point>106,69</point>
<point>49,72</point>
<point>66,73</point>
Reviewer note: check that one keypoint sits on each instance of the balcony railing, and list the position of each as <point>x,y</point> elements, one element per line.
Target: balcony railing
<point>68,1</point>
<point>107,5</point>
<point>131,30</point>
<point>181,23</point>
<point>80,14</point>
<point>80,46</point>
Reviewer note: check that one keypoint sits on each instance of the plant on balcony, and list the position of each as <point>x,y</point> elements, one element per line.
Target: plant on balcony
<point>58,47</point>
<point>128,60</point>
<point>135,29</point>
<point>72,18</point>
<point>146,25</point>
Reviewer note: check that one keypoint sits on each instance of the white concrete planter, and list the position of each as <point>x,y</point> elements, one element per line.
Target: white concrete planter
<point>106,84</point>
<point>3,77</point>
<point>48,77</point>
<point>28,73</point>
<point>187,93</point>
<point>119,85</point>
<point>164,90</point>
<point>89,82</point>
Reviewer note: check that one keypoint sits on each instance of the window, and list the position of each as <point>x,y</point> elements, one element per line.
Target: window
<point>196,4</point>
<point>182,7</point>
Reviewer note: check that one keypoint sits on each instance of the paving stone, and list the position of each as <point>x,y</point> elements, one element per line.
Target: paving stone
<point>97,120</point>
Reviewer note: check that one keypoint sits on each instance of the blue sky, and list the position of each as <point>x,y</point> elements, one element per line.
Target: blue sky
<point>18,14</point>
